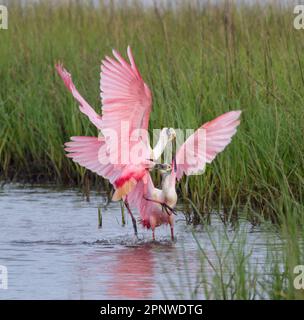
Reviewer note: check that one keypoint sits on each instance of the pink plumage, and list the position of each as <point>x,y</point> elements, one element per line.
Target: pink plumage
<point>200,149</point>
<point>125,99</point>
<point>83,104</point>
<point>190,159</point>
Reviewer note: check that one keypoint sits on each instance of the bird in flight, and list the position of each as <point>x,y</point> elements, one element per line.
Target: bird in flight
<point>122,152</point>
<point>126,107</point>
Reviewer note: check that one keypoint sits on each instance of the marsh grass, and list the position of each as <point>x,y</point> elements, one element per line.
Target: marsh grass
<point>237,263</point>
<point>199,63</point>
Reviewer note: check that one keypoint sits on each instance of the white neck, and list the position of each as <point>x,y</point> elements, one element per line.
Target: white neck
<point>168,189</point>
<point>160,146</point>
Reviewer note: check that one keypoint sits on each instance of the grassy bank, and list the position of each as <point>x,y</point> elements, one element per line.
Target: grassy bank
<point>198,63</point>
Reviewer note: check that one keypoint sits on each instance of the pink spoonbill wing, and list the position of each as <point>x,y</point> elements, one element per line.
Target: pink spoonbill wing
<point>203,145</point>
<point>126,101</point>
<point>83,104</point>
<point>87,151</point>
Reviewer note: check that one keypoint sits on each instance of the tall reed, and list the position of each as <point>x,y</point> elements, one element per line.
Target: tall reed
<point>199,63</point>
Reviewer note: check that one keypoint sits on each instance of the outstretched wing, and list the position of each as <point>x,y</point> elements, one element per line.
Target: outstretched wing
<point>126,100</point>
<point>126,107</point>
<point>83,105</point>
<point>90,152</point>
<point>205,143</point>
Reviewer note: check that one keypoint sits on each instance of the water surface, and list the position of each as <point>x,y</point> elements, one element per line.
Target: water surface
<point>53,249</point>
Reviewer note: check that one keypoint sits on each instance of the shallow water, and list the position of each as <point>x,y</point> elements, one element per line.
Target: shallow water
<point>53,249</point>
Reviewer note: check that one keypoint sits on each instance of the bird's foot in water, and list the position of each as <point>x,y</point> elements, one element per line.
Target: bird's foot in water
<point>135,238</point>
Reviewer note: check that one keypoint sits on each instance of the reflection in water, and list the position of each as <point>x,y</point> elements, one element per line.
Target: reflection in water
<point>132,274</point>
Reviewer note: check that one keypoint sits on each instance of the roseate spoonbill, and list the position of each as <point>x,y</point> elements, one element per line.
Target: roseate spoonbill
<point>126,107</point>
<point>157,205</point>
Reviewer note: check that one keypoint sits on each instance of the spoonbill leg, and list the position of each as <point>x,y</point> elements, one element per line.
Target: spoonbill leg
<point>132,217</point>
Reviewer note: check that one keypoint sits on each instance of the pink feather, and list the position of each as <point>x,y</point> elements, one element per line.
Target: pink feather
<point>125,98</point>
<point>83,104</point>
<point>190,158</point>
